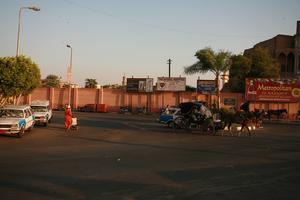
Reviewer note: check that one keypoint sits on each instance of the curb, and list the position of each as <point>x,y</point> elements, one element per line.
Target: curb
<point>282,122</point>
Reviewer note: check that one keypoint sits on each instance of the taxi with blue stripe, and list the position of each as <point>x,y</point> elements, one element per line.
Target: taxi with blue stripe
<point>15,120</point>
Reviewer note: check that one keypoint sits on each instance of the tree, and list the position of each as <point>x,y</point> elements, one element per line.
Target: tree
<point>18,76</point>
<point>240,67</point>
<point>209,61</point>
<point>51,81</point>
<point>189,88</point>
<point>256,64</point>
<point>90,83</point>
<point>113,86</point>
<point>263,65</point>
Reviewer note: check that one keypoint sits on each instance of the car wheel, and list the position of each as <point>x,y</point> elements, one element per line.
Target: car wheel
<point>46,123</point>
<point>171,124</point>
<point>21,133</point>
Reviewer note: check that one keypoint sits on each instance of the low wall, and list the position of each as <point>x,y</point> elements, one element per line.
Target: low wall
<point>114,98</point>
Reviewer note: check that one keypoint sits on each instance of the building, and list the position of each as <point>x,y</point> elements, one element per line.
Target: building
<point>286,50</point>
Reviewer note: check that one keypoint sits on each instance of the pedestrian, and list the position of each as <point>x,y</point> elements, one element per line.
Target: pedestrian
<point>167,110</point>
<point>68,118</point>
<point>245,106</point>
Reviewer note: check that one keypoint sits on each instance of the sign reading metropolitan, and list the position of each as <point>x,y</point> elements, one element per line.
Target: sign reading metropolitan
<point>273,90</point>
<point>171,84</point>
<point>206,86</point>
<point>139,85</point>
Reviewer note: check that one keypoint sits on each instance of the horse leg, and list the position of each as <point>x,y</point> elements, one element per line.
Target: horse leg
<point>229,128</point>
<point>247,127</point>
<point>240,131</point>
<point>223,127</point>
<point>244,124</point>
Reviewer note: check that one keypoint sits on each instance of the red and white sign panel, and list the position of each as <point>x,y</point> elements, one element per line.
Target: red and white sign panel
<point>272,90</point>
<point>170,84</point>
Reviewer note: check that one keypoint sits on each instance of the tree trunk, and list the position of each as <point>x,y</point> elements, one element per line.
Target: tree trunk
<point>218,90</point>
<point>3,100</point>
<point>18,99</point>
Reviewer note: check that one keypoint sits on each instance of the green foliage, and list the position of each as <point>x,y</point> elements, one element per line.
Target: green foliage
<point>90,83</point>
<point>18,76</point>
<point>209,61</point>
<point>263,66</point>
<point>240,67</point>
<point>189,88</point>
<point>113,86</point>
<point>257,64</point>
<point>51,81</point>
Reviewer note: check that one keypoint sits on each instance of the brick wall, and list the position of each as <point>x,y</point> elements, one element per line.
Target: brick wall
<point>114,98</point>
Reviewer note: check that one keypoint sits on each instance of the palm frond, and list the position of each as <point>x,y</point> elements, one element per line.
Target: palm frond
<point>195,68</point>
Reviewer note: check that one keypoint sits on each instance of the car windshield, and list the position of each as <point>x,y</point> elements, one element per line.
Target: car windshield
<point>170,111</point>
<point>39,108</point>
<point>9,113</point>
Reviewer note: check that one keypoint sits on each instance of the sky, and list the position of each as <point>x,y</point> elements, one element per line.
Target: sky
<point>113,38</point>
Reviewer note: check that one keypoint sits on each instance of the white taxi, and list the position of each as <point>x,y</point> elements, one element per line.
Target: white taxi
<point>15,120</point>
<point>42,112</point>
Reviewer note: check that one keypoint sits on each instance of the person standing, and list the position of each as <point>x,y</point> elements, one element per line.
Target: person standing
<point>68,118</point>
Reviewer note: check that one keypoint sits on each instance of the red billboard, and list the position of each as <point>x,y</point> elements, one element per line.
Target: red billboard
<point>272,90</point>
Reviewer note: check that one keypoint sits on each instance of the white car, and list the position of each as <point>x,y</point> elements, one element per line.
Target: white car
<point>15,120</point>
<point>42,112</point>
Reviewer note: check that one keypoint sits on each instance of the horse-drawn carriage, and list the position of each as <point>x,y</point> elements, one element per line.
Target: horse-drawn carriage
<point>190,115</point>
<point>196,115</point>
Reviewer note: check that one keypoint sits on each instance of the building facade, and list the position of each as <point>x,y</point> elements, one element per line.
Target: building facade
<point>286,50</point>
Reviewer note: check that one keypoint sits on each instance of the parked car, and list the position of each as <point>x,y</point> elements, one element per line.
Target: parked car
<point>169,115</point>
<point>15,120</point>
<point>42,112</point>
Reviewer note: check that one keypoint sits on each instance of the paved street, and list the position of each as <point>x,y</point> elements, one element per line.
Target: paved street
<point>115,156</point>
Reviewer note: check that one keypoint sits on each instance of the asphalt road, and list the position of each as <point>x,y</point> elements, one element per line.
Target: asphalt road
<point>115,156</point>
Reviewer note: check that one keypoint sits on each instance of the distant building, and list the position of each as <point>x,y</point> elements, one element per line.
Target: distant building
<point>286,50</point>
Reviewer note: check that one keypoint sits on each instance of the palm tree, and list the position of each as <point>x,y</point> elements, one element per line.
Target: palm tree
<point>90,83</point>
<point>209,61</point>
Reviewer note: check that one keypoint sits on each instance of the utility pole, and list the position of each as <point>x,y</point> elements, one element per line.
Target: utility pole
<point>169,62</point>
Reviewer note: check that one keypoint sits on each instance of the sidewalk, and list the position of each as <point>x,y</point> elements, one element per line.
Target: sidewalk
<point>278,121</point>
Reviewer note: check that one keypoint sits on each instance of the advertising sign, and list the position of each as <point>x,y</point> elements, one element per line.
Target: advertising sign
<point>229,102</point>
<point>272,90</point>
<point>206,86</point>
<point>139,85</point>
<point>171,84</point>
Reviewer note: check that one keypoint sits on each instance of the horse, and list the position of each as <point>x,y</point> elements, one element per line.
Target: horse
<point>239,117</point>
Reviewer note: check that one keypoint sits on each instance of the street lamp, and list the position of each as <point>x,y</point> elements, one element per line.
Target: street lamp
<point>69,74</point>
<point>34,8</point>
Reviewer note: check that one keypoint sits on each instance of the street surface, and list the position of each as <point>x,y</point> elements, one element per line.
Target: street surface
<point>117,156</point>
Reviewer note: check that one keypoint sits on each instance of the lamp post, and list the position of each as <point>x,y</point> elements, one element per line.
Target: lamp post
<point>69,73</point>
<point>34,8</point>
<point>169,63</point>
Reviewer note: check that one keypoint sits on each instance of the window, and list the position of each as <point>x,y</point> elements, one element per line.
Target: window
<point>27,113</point>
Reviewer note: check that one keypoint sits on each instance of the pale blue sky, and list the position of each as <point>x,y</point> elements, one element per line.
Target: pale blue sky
<point>137,37</point>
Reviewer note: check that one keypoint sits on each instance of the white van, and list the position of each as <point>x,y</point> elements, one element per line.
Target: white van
<point>42,112</point>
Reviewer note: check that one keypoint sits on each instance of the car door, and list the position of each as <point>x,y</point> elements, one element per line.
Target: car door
<point>28,118</point>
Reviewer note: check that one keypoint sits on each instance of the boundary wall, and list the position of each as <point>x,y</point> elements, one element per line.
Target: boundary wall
<point>113,99</point>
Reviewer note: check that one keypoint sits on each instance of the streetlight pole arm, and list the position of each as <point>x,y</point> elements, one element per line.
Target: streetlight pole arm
<point>34,8</point>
